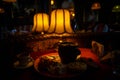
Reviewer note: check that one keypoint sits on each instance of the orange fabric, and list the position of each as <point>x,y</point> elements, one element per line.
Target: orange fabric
<point>85,52</point>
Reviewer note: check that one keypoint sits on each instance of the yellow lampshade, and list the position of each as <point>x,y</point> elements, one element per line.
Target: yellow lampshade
<point>60,22</point>
<point>96,6</point>
<point>41,22</point>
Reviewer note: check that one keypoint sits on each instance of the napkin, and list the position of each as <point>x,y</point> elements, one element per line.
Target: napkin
<point>97,48</point>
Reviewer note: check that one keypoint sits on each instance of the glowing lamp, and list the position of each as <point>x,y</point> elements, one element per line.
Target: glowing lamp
<point>95,6</point>
<point>52,2</point>
<point>2,10</point>
<point>60,22</point>
<point>116,8</point>
<point>41,23</point>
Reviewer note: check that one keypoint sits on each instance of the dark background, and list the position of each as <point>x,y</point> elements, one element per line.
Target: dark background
<point>21,17</point>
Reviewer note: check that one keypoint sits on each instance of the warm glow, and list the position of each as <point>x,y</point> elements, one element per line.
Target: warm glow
<point>52,2</point>
<point>116,8</point>
<point>60,22</point>
<point>41,22</point>
<point>2,10</point>
<point>72,15</point>
<point>96,6</point>
<point>9,1</point>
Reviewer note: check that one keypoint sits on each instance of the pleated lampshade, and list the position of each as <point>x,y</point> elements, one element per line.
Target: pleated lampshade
<point>60,22</point>
<point>41,23</point>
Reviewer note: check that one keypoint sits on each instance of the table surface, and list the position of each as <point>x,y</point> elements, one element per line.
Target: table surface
<point>104,73</point>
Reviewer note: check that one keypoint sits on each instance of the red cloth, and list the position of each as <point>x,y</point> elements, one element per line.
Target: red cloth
<point>85,53</point>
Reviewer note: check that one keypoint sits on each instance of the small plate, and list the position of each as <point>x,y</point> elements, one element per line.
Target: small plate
<point>17,64</point>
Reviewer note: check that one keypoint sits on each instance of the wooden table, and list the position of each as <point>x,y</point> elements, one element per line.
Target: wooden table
<point>104,73</point>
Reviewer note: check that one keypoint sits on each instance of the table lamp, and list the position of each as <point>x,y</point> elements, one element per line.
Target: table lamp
<point>41,23</point>
<point>116,8</point>
<point>60,22</point>
<point>95,6</point>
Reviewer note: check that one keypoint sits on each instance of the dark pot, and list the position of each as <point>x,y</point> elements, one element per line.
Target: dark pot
<point>68,52</point>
